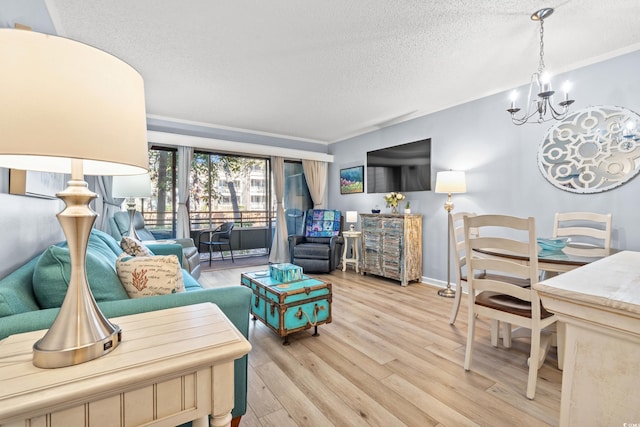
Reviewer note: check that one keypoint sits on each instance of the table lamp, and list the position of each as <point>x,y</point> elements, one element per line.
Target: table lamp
<point>352,218</point>
<point>132,187</point>
<point>449,182</point>
<point>71,108</point>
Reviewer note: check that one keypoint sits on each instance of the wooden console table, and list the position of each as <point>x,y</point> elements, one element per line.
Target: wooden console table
<point>172,366</point>
<point>600,306</point>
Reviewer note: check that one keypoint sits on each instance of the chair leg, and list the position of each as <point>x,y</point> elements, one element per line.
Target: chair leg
<point>456,304</point>
<point>210,253</point>
<point>221,252</point>
<point>533,363</point>
<point>471,331</point>
<point>506,334</point>
<point>231,251</point>
<point>495,332</point>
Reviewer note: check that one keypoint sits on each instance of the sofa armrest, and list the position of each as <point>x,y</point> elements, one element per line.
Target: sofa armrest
<point>186,243</point>
<point>166,249</point>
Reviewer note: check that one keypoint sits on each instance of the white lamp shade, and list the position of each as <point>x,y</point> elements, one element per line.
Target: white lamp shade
<point>64,100</point>
<point>352,216</point>
<point>451,182</point>
<point>135,186</point>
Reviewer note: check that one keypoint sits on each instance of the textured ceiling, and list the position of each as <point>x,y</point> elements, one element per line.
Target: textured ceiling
<point>326,70</point>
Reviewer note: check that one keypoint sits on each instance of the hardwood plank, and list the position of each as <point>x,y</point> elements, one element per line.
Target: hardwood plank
<point>390,358</point>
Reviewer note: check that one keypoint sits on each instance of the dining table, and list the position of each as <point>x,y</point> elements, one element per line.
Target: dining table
<point>572,256</point>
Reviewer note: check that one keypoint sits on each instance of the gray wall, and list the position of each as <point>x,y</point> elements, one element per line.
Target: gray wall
<point>500,160</point>
<point>28,225</point>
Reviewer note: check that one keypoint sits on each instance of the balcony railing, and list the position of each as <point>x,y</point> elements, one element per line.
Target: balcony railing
<point>252,229</point>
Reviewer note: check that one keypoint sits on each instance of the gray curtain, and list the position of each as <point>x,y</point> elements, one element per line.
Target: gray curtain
<point>315,173</point>
<point>280,246</point>
<point>110,206</point>
<point>183,226</point>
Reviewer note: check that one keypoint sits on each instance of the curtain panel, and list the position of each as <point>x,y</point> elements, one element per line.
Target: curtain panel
<point>280,246</point>
<point>315,172</point>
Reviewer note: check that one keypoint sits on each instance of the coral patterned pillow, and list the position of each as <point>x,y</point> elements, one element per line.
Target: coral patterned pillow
<point>147,276</point>
<point>134,247</point>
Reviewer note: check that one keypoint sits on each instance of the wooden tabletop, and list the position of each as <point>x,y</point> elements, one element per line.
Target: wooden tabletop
<point>570,257</point>
<point>174,340</point>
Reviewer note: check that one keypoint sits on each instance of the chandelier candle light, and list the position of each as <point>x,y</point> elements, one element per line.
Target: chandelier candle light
<point>449,182</point>
<point>542,106</point>
<point>70,108</point>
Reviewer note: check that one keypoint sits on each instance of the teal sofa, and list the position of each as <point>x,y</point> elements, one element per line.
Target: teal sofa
<point>26,291</point>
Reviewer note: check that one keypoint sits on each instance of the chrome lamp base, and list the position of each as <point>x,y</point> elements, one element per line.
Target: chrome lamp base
<point>80,332</point>
<point>447,292</point>
<point>131,208</point>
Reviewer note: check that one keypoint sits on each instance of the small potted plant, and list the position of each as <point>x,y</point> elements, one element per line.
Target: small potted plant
<point>407,207</point>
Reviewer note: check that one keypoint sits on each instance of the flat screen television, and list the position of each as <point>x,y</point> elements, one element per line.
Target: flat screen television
<point>400,168</point>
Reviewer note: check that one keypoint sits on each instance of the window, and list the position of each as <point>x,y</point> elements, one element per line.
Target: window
<point>224,187</point>
<point>160,211</point>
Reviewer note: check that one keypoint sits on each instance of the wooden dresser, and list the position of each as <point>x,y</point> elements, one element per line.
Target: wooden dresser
<point>392,246</point>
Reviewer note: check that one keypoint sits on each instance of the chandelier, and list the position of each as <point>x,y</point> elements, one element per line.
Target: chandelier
<point>541,108</point>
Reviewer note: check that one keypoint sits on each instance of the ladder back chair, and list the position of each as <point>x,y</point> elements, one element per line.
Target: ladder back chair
<point>496,296</point>
<point>588,228</point>
<point>456,234</point>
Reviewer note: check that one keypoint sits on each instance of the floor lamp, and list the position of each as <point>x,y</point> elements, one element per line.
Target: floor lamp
<point>449,182</point>
<point>70,108</point>
<point>132,187</point>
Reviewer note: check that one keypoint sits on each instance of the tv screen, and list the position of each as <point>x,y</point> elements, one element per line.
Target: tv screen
<point>400,168</point>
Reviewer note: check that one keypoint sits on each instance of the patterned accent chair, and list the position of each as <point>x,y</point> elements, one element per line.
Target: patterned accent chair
<point>320,248</point>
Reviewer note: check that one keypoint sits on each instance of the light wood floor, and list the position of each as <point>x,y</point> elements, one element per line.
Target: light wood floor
<point>390,358</point>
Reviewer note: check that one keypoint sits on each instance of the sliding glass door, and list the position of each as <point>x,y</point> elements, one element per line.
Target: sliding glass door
<point>225,187</point>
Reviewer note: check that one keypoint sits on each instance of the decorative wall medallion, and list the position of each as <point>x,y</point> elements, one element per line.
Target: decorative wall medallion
<point>592,150</point>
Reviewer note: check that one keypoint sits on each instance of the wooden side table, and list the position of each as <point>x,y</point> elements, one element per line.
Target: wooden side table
<point>172,366</point>
<point>354,237</point>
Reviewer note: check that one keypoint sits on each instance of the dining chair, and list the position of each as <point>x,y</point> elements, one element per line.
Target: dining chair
<point>502,296</point>
<point>456,234</point>
<point>217,237</point>
<point>586,228</point>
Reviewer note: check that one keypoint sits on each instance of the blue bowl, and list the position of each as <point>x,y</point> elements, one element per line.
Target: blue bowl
<point>375,210</point>
<point>552,244</point>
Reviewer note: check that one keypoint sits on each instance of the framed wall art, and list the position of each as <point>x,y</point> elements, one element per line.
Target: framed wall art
<point>352,180</point>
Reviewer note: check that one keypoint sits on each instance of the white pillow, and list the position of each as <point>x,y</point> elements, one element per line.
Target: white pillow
<point>145,276</point>
<point>134,247</point>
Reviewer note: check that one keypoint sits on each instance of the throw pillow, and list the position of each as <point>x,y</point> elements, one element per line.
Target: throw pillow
<point>134,247</point>
<point>322,223</point>
<point>53,270</point>
<point>145,276</point>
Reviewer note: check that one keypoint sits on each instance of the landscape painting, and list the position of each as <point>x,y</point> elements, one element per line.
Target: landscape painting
<point>352,180</point>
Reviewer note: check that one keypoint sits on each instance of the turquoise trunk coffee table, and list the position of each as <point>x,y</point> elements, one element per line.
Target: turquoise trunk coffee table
<point>287,307</point>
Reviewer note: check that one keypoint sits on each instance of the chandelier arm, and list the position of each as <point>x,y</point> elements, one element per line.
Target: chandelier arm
<point>558,115</point>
